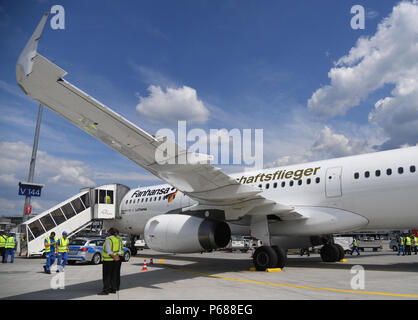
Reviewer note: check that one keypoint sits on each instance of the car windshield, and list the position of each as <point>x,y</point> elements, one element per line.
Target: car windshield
<point>77,242</point>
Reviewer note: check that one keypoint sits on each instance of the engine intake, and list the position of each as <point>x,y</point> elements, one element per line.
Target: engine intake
<point>179,233</point>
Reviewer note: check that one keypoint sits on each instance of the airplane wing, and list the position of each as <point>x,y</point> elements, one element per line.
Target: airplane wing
<point>190,173</point>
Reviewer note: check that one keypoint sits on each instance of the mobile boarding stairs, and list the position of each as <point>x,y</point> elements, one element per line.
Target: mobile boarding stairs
<point>73,215</point>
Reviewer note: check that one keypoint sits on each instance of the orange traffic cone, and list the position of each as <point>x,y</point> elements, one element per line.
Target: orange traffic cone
<point>144,268</point>
<point>151,262</point>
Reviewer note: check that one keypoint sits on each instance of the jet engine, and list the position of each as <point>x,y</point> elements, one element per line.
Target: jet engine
<point>179,233</point>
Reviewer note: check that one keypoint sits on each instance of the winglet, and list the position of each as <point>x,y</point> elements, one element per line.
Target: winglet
<point>25,61</point>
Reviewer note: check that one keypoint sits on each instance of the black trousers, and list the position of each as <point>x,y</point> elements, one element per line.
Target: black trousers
<point>408,250</point>
<point>109,276</point>
<point>2,253</point>
<point>118,265</point>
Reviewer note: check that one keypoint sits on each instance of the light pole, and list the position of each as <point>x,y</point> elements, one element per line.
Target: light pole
<point>33,160</point>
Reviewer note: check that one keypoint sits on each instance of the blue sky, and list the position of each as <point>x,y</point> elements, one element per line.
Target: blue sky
<point>250,64</point>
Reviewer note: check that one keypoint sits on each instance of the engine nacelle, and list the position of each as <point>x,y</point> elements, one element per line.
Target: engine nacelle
<point>179,233</point>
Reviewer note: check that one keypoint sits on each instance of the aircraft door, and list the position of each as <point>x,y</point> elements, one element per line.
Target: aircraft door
<point>333,182</point>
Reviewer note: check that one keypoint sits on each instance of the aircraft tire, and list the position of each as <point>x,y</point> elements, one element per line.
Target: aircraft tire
<point>341,250</point>
<point>265,257</point>
<point>330,253</point>
<point>281,257</point>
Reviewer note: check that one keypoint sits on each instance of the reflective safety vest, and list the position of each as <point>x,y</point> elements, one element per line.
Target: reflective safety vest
<point>120,245</point>
<point>48,241</point>
<point>354,243</point>
<point>3,240</point>
<point>10,243</point>
<point>63,245</point>
<point>114,247</point>
<point>401,241</point>
<point>408,241</point>
<point>415,241</point>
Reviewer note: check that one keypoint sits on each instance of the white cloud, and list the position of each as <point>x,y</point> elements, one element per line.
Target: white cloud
<point>15,157</point>
<point>387,58</point>
<point>327,145</point>
<point>172,105</point>
<point>330,144</point>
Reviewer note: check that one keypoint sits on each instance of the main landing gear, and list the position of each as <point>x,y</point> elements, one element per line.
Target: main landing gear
<point>332,252</point>
<point>269,257</point>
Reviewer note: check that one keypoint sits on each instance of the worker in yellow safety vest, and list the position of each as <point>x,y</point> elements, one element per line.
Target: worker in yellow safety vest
<point>3,240</point>
<point>10,248</point>
<point>111,251</point>
<point>415,243</point>
<point>121,256</point>
<point>401,243</point>
<point>50,244</point>
<point>62,251</point>
<point>355,246</point>
<point>408,244</point>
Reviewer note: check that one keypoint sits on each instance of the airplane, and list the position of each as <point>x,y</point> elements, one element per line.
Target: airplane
<point>200,206</point>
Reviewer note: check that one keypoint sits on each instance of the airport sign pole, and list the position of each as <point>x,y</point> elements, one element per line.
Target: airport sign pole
<point>36,191</point>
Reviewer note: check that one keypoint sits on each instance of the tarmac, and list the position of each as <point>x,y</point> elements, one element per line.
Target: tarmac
<point>220,276</point>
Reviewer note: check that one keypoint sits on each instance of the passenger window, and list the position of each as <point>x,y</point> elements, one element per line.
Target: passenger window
<point>47,222</point>
<point>283,184</point>
<point>308,181</point>
<point>317,180</point>
<point>356,175</point>
<point>300,182</point>
<point>291,183</point>
<point>400,170</point>
<point>159,199</point>
<point>68,210</point>
<point>412,169</point>
<point>109,197</point>
<point>367,174</point>
<point>142,200</point>
<point>260,186</point>
<point>77,205</point>
<point>389,172</point>
<point>102,196</point>
<point>377,173</point>
<point>58,216</point>
<point>85,198</point>
<point>267,185</point>
<point>275,185</point>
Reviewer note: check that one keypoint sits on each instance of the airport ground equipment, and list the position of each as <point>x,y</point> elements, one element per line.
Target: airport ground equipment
<point>74,214</point>
<point>375,245</point>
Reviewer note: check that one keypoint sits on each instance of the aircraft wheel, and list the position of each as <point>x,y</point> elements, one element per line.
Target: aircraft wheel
<point>281,257</point>
<point>265,257</point>
<point>330,253</point>
<point>341,250</point>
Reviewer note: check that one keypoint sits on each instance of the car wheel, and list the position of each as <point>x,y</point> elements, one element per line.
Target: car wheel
<point>97,258</point>
<point>126,256</point>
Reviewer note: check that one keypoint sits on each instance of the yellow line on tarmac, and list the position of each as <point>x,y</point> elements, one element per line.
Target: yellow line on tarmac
<point>299,287</point>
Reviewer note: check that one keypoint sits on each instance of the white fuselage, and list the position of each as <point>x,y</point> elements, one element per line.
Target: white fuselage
<point>382,187</point>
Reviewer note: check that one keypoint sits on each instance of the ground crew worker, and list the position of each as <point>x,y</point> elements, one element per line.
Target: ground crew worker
<point>415,239</point>
<point>110,257</point>
<point>408,244</point>
<point>49,244</point>
<point>401,246</point>
<point>119,263</point>
<point>3,240</point>
<point>355,247</point>
<point>10,248</point>
<point>62,251</point>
